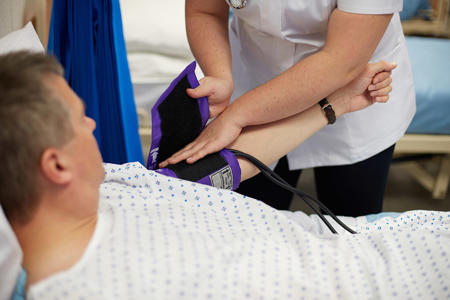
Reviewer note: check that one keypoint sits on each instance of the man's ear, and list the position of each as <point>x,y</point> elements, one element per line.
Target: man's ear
<point>55,166</point>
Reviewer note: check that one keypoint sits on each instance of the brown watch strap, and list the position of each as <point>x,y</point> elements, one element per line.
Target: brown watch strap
<point>328,111</point>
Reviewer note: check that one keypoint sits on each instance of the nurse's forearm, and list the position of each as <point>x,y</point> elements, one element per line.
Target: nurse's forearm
<point>207,31</point>
<point>351,41</point>
<point>269,142</point>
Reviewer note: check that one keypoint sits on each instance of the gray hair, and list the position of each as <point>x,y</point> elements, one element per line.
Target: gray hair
<point>32,119</point>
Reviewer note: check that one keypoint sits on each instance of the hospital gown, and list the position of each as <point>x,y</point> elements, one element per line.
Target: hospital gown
<point>164,238</point>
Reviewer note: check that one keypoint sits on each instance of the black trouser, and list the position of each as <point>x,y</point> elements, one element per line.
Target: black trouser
<point>350,190</point>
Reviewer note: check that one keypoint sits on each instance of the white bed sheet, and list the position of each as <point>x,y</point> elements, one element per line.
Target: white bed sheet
<point>165,238</point>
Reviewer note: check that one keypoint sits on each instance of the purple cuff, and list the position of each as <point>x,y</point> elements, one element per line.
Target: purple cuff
<point>202,102</point>
<point>166,172</point>
<point>229,176</point>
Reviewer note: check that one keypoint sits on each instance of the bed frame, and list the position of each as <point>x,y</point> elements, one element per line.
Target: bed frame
<point>436,146</point>
<point>439,148</point>
<point>437,26</point>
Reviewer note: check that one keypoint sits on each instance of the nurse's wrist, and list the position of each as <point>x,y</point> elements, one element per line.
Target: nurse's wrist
<point>226,82</point>
<point>236,114</point>
<point>223,75</point>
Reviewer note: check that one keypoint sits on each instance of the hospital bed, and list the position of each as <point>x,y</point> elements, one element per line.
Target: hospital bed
<point>429,132</point>
<point>10,254</point>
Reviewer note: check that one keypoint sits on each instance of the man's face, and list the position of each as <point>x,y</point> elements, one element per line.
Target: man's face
<point>86,160</point>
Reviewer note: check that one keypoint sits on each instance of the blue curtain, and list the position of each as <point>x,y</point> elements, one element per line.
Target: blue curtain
<point>87,38</point>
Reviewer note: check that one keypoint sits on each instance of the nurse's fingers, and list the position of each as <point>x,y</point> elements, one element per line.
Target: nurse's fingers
<point>381,77</point>
<point>186,153</point>
<point>382,99</point>
<point>201,152</point>
<point>203,90</point>
<point>381,92</point>
<point>384,83</point>
<point>191,153</point>
<point>381,66</point>
<point>218,91</point>
<point>180,155</point>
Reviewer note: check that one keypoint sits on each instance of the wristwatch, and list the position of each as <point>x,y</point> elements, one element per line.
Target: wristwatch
<point>328,111</point>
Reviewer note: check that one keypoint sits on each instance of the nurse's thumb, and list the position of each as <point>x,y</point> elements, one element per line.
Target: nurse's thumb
<point>200,91</point>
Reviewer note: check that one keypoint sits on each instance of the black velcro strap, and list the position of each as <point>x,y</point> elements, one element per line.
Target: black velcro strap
<point>181,121</point>
<point>201,168</point>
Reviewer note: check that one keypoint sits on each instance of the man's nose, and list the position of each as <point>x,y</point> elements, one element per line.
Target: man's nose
<point>91,123</point>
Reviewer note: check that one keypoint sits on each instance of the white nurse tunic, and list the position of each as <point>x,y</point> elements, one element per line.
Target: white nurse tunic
<point>267,37</point>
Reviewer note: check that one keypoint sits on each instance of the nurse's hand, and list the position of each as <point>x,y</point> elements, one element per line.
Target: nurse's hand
<point>217,135</point>
<point>373,85</point>
<point>217,90</point>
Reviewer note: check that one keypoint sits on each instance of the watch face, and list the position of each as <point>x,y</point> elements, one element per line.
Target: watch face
<point>237,4</point>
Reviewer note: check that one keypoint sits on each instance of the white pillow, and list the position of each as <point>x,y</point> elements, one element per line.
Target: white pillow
<point>10,258</point>
<point>157,68</point>
<point>10,252</point>
<point>22,39</point>
<point>155,26</point>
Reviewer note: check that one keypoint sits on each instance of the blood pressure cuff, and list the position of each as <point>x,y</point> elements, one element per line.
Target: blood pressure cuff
<point>177,119</point>
<point>219,169</point>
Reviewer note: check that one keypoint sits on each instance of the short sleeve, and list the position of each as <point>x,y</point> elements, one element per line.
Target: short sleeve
<point>370,6</point>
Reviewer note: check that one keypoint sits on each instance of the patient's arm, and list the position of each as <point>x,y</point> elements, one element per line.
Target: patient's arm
<point>271,141</point>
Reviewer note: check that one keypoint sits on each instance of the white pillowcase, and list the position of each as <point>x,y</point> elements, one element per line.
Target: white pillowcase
<point>22,39</point>
<point>10,252</point>
<point>10,258</point>
<point>157,68</point>
<point>156,41</point>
